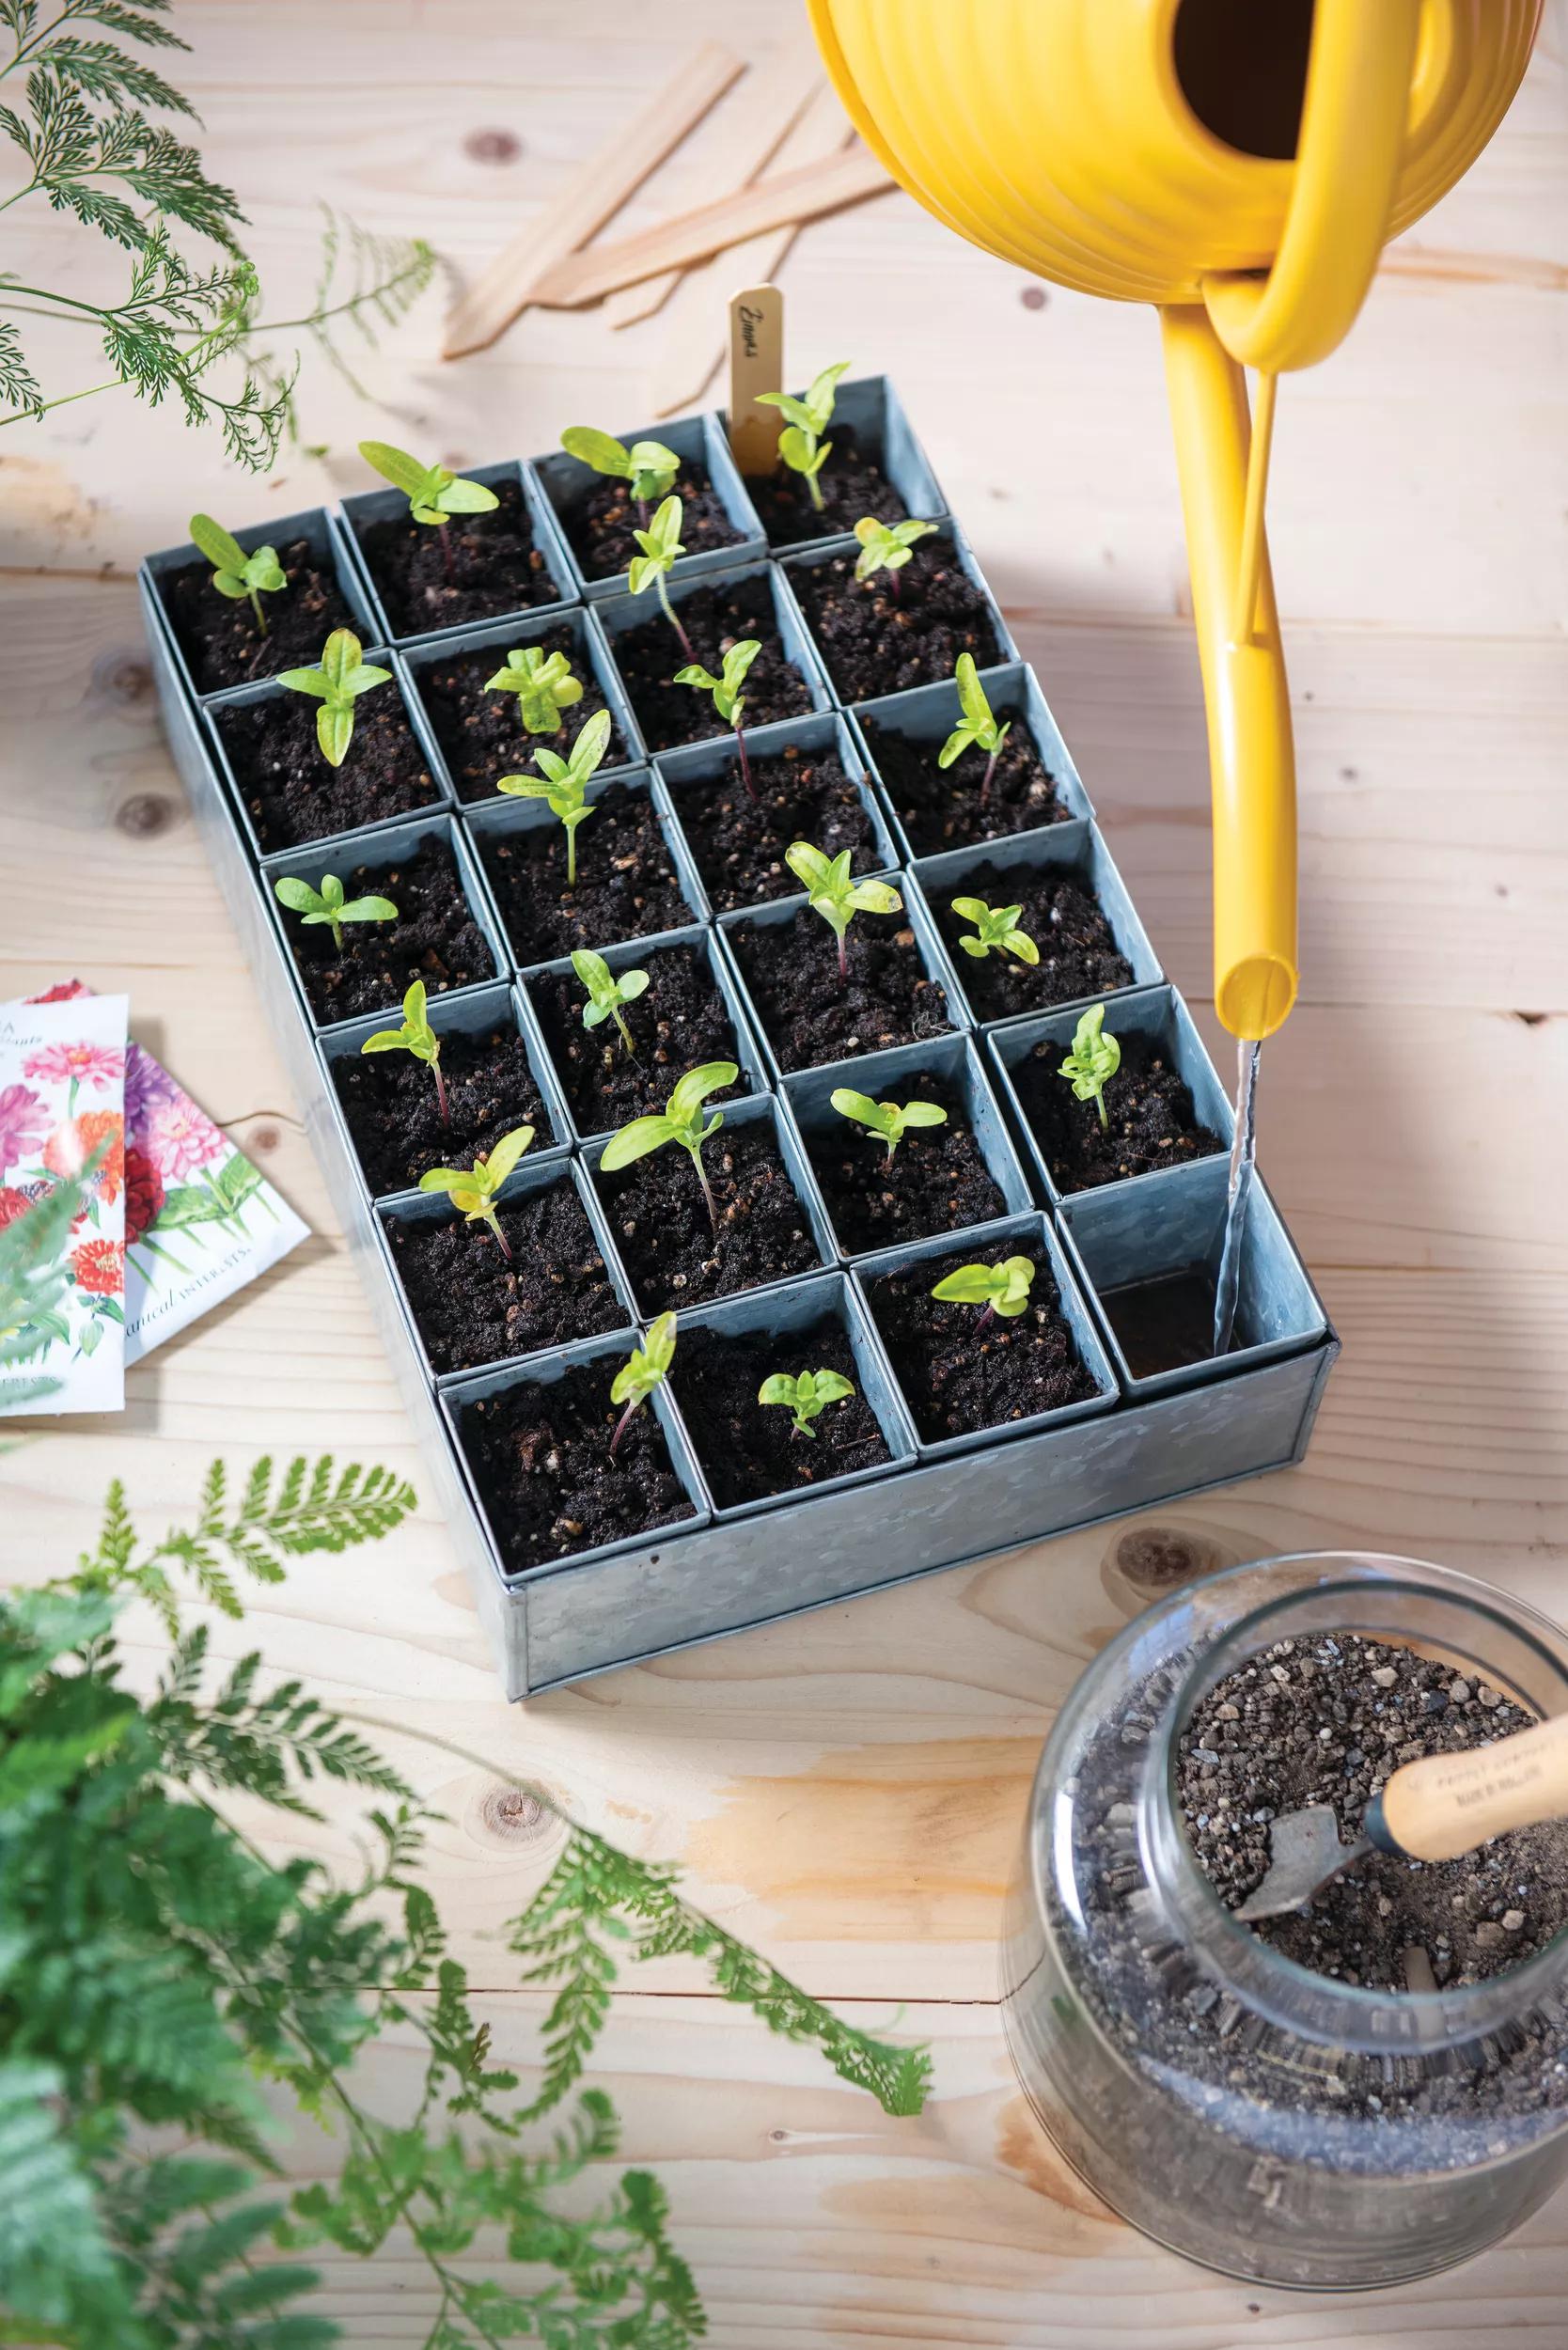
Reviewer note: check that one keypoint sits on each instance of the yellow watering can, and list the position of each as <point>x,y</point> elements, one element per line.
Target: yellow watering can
<point>1240,164</point>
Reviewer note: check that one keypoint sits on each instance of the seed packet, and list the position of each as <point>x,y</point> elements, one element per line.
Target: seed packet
<point>200,1220</point>
<point>62,1110</point>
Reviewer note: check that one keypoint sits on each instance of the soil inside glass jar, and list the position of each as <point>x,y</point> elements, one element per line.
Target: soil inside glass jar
<point>474,1305</point>
<point>541,1460</point>
<point>749,1449</point>
<point>601,524</point>
<point>394,1112</point>
<point>481,734</point>
<point>218,634</point>
<point>936,1180</point>
<point>677,1023</point>
<point>480,566</point>
<point>1327,1721</point>
<point>941,807</point>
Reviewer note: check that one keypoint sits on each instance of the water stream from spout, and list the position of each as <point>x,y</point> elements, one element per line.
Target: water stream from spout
<point>1244,1153</point>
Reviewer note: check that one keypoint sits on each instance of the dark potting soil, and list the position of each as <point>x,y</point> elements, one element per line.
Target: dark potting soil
<point>540,1456</point>
<point>935,1181</point>
<point>715,618</point>
<point>1078,955</point>
<point>895,629</point>
<point>660,1221</point>
<point>941,808</point>
<point>389,1101</point>
<point>812,1014</point>
<point>1152,1122</point>
<point>1182,2027</point>
<point>435,938</point>
<point>601,524</point>
<point>1166,1323</point>
<point>851,484</point>
<point>219,638</point>
<point>958,1376</point>
<point>626,885</point>
<point>472,1306</point>
<point>294,794</point>
<point>738,841</point>
<point>495,566</point>
<point>749,1449</point>
<point>679,1022</point>
<point>482,736</point>
<point>1326,1721</point>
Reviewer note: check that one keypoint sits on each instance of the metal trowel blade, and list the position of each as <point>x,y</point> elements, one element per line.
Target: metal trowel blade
<point>1305,1851</point>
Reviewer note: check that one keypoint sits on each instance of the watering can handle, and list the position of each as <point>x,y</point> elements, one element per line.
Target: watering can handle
<point>1352,122</point>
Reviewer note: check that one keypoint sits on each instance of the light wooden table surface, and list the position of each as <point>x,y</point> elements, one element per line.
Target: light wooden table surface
<point>845,1790</point>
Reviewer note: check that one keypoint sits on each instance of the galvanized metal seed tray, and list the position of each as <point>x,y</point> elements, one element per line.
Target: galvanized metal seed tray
<point>1135,1442</point>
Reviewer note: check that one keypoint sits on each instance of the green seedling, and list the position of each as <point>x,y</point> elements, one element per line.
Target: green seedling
<point>648,466</point>
<point>563,782</point>
<point>808,1395</point>
<point>1093,1061</point>
<point>417,1037</point>
<point>543,684</point>
<point>885,1118</point>
<point>235,573</point>
<point>887,547</point>
<point>344,676</point>
<point>475,1190</point>
<point>997,931</point>
<point>328,904</point>
<point>801,444</point>
<point>607,992</point>
<point>678,1122</point>
<point>728,700</point>
<point>434,493</point>
<point>835,896</point>
<point>1000,1288</point>
<point>976,725</point>
<point>661,551</point>
<point>645,1369</point>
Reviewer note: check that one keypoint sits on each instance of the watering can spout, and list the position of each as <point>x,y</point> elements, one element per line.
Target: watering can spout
<point>1059,135</point>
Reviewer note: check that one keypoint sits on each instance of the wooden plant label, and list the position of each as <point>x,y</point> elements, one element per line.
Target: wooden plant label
<point>756,365</point>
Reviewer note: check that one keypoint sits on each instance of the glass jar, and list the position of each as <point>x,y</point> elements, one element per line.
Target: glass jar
<point>1273,2122</point>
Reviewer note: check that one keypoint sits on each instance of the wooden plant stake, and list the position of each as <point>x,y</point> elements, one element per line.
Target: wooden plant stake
<point>592,196</point>
<point>756,365</point>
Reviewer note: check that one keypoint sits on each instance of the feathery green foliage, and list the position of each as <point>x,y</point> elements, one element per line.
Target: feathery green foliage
<point>81,122</point>
<point>156,1964</point>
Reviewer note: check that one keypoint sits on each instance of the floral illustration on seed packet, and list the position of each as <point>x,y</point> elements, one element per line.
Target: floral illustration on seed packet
<point>200,1219</point>
<point>62,1120</point>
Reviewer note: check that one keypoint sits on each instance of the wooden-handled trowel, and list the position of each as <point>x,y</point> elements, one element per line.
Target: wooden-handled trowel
<point>1429,1810</point>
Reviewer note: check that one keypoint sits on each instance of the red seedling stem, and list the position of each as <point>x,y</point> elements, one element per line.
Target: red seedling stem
<point>441,1093</point>
<point>985,780</point>
<point>446,551</point>
<point>624,1423</point>
<point>745,764</point>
